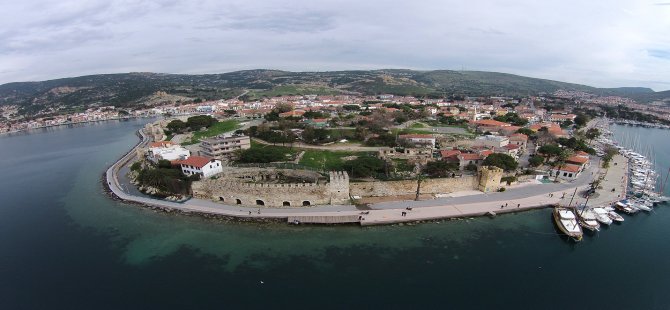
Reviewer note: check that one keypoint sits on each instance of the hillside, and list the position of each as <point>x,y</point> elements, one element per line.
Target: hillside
<point>137,89</point>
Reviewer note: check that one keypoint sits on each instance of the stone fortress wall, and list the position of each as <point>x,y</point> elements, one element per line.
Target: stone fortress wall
<point>263,187</point>
<point>408,187</point>
<point>259,187</point>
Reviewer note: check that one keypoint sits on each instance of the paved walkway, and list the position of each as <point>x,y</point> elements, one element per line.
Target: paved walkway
<point>517,199</point>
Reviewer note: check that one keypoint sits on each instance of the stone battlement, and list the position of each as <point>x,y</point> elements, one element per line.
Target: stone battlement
<point>230,188</point>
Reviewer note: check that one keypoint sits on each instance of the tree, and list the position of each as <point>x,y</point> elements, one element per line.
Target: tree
<point>313,135</point>
<point>163,163</point>
<point>550,150</point>
<point>471,167</point>
<point>500,160</point>
<point>581,120</point>
<point>200,121</point>
<point>560,161</point>
<point>526,131</point>
<point>566,123</point>
<point>535,160</point>
<point>314,114</point>
<point>592,133</point>
<point>365,166</point>
<point>136,166</point>
<point>439,169</point>
<point>177,126</point>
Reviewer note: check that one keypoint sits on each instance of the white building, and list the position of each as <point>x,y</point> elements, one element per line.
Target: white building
<point>567,172</point>
<point>167,150</point>
<point>204,166</point>
<point>420,139</point>
<point>492,141</point>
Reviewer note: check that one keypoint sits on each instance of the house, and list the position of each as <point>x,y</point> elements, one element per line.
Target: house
<point>166,150</point>
<point>465,159</point>
<point>450,155</point>
<point>519,139</point>
<point>492,141</point>
<point>510,149</point>
<point>204,166</point>
<point>566,172</point>
<point>421,139</point>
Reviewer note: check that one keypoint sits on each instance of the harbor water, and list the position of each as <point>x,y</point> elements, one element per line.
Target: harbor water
<point>64,244</point>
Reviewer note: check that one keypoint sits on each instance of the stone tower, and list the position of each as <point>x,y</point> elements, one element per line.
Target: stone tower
<point>339,187</point>
<point>489,178</point>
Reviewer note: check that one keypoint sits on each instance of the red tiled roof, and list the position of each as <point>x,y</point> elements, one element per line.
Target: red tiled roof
<point>196,161</point>
<point>449,153</point>
<point>470,156</point>
<point>491,122</point>
<point>511,146</point>
<point>569,168</point>
<point>578,159</point>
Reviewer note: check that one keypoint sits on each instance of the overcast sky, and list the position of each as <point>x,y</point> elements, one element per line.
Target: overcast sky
<point>605,43</point>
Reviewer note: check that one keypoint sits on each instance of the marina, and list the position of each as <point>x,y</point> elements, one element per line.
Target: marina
<point>640,183</point>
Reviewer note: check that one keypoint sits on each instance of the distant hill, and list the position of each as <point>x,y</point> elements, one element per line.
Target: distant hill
<point>134,89</point>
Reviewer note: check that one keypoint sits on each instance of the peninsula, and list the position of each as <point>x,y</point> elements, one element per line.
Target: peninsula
<point>373,160</point>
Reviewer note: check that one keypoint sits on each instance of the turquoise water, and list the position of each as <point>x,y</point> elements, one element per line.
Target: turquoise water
<point>65,245</point>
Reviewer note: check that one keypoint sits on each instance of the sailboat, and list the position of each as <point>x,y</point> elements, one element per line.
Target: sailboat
<point>567,222</point>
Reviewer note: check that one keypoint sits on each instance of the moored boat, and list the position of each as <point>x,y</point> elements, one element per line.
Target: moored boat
<point>602,215</point>
<point>625,207</point>
<point>615,216</point>
<point>567,222</point>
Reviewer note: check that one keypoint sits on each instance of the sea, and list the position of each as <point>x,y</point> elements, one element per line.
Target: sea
<point>65,244</point>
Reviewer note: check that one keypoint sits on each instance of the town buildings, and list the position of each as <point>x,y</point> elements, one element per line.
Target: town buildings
<point>223,146</point>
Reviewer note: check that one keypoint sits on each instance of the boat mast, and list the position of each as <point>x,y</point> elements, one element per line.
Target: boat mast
<point>573,197</point>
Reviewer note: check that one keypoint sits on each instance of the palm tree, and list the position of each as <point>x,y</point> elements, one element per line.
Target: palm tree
<point>561,160</point>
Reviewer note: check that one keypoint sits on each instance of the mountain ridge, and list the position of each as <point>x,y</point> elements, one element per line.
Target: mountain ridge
<point>129,89</point>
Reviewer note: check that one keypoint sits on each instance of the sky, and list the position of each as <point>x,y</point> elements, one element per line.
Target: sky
<point>602,43</point>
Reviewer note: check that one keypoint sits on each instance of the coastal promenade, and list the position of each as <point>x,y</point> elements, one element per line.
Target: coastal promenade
<point>515,199</point>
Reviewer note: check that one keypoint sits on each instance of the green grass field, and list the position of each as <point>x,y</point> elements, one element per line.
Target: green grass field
<point>214,130</point>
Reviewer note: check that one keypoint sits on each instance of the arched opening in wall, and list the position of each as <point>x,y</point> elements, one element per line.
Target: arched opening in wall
<point>286,204</point>
<point>237,201</point>
<point>221,199</point>
<point>260,202</point>
<point>306,203</point>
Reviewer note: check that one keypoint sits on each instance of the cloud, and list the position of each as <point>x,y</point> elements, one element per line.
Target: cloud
<point>601,43</point>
